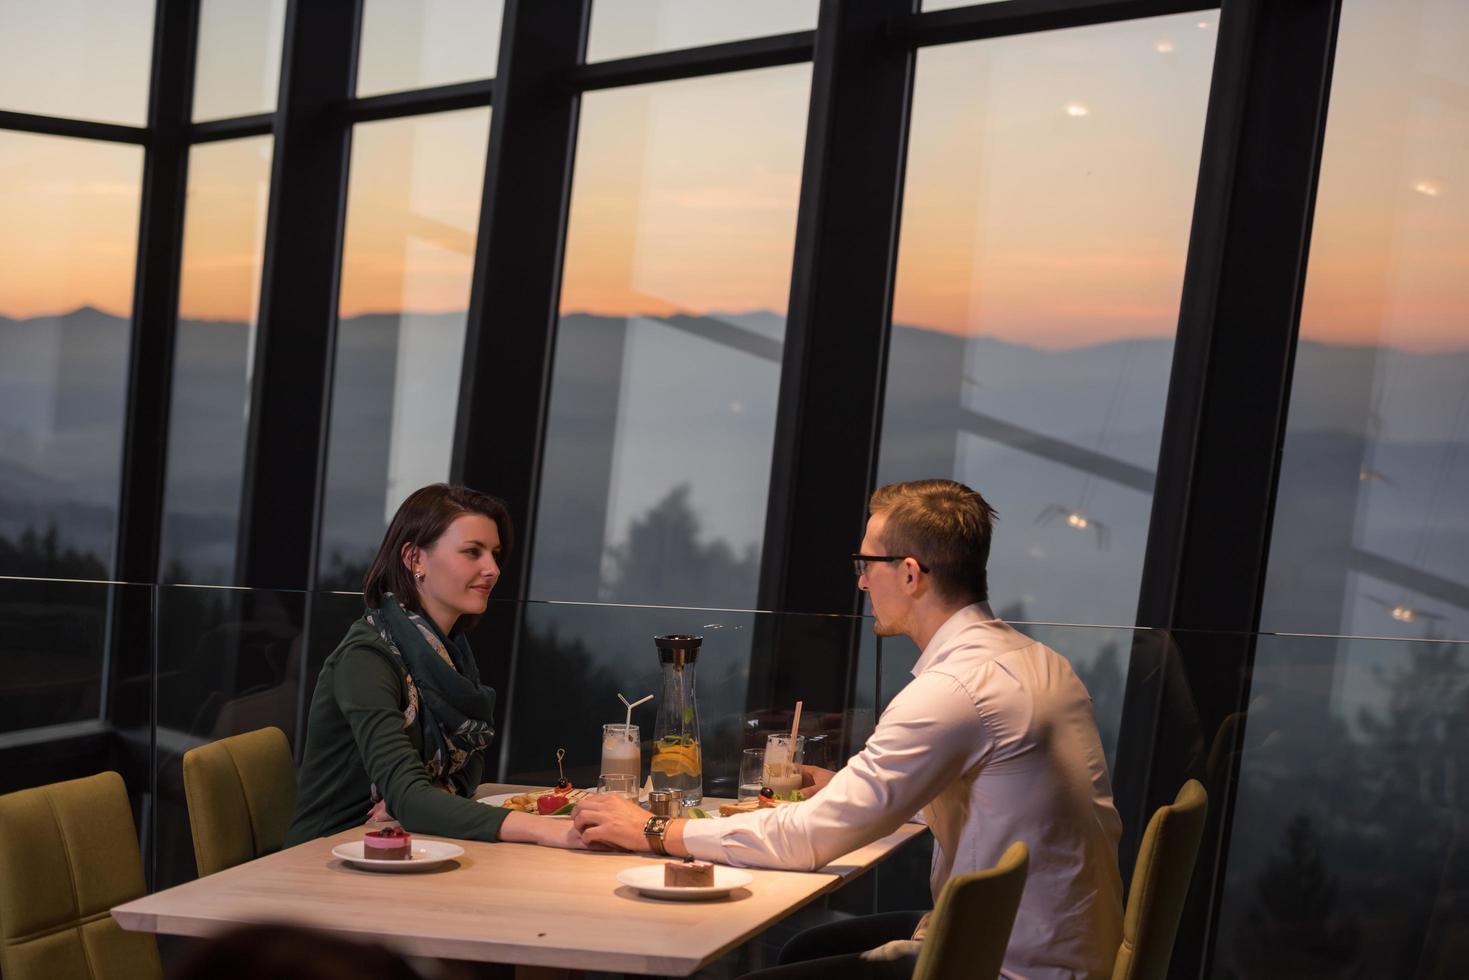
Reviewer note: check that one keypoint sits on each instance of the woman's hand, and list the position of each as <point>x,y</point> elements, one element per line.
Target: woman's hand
<point>523,828</point>
<point>814,780</point>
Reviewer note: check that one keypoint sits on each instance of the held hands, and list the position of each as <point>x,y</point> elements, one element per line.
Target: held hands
<point>607,822</point>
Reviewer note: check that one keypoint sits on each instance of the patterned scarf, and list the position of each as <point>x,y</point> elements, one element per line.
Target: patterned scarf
<point>445,697</point>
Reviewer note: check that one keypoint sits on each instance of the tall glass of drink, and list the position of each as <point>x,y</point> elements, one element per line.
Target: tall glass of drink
<point>621,752</point>
<point>752,773</point>
<point>783,763</point>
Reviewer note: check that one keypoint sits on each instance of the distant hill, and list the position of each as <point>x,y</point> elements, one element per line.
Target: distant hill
<point>644,406</point>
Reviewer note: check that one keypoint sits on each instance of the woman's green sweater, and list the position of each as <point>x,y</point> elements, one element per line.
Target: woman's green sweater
<point>355,739</point>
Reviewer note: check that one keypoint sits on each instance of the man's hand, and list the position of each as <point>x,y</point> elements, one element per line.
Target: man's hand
<point>607,821</point>
<point>379,813</point>
<point>814,780</point>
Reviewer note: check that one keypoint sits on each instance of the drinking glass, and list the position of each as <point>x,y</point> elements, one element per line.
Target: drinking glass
<point>752,773</point>
<point>621,751</point>
<point>618,784</point>
<point>783,763</point>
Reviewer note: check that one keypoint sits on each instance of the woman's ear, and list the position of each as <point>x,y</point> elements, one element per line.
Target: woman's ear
<point>409,556</point>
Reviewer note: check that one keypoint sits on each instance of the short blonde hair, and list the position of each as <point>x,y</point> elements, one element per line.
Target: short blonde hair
<point>945,526</point>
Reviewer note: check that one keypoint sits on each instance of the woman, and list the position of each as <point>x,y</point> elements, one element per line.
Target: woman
<point>399,721</point>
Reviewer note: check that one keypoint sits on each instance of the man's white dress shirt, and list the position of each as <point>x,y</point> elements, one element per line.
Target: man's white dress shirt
<point>995,741</point>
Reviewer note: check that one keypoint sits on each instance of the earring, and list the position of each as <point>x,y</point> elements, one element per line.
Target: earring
<point>419,575</point>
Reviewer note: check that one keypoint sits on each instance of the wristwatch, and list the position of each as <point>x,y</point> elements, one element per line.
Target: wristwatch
<point>654,830</point>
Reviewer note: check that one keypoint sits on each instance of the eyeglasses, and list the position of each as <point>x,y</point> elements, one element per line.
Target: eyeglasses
<point>859,562</point>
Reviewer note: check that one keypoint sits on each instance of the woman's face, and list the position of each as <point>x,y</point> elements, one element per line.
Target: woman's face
<point>458,570</point>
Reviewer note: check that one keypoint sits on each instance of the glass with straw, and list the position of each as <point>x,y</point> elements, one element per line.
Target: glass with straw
<point>622,752</point>
<point>783,754</point>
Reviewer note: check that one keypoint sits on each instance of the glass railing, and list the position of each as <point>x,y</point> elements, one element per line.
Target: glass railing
<point>1345,852</point>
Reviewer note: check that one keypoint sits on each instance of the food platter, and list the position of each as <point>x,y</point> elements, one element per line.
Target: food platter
<point>528,798</point>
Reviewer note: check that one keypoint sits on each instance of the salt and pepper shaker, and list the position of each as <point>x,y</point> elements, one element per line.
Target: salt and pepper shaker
<point>665,803</point>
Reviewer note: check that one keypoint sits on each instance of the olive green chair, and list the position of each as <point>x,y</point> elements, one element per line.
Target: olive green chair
<point>241,793</point>
<point>68,854</point>
<point>970,926</point>
<point>1165,864</point>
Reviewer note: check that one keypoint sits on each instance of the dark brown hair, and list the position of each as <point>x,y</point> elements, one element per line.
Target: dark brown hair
<point>944,525</point>
<point>420,520</point>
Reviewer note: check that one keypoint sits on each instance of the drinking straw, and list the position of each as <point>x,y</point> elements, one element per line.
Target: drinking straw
<point>795,727</point>
<point>628,725</point>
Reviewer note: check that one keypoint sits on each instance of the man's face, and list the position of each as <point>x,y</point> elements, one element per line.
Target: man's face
<point>883,582</point>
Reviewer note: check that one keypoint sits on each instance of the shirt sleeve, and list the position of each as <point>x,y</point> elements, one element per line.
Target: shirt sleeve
<point>929,736</point>
<point>368,690</point>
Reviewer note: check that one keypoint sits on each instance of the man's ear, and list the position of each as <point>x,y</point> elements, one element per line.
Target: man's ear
<point>914,582</point>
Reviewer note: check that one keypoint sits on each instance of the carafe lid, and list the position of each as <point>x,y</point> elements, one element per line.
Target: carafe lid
<point>678,648</point>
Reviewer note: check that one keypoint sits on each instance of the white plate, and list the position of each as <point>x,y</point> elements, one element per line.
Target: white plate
<point>648,879</point>
<point>426,854</point>
<point>500,798</point>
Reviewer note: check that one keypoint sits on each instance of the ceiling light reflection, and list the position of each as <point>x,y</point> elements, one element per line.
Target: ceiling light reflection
<point>1427,188</point>
<point>1076,109</point>
<point>1163,47</point>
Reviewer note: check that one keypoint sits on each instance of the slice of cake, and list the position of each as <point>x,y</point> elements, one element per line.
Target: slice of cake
<point>388,844</point>
<point>688,873</point>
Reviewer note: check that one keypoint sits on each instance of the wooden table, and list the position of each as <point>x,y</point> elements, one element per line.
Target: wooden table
<point>502,903</point>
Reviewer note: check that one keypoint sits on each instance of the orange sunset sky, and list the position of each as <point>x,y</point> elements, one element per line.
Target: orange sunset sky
<point>1049,189</point>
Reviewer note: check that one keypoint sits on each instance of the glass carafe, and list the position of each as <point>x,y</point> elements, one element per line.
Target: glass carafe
<point>678,764</point>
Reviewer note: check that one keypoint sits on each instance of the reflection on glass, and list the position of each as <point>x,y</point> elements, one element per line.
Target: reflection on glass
<point>228,662</point>
<point>1371,530</point>
<point>239,61</point>
<point>1049,188</point>
<point>1346,850</point>
<point>409,44</point>
<point>219,295</point>
<point>624,28</point>
<point>412,212</point>
<point>53,641</point>
<point>69,235</point>
<point>668,352</point>
<point>87,59</point>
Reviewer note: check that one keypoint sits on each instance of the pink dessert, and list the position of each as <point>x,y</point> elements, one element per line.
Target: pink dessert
<point>388,844</point>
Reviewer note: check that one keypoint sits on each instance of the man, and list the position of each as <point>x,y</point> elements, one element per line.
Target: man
<point>994,740</point>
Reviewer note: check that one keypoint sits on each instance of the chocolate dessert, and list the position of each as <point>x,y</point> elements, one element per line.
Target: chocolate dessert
<point>388,844</point>
<point>688,873</point>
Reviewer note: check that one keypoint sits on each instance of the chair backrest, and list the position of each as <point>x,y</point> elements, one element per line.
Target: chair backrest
<point>68,854</point>
<point>241,793</point>
<point>1165,864</point>
<point>970,926</point>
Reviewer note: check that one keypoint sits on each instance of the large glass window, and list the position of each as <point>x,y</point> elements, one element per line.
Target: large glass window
<point>1049,190</point>
<point>625,28</point>
<point>219,302</point>
<point>409,44</point>
<point>1371,531</point>
<point>412,213</point>
<point>677,273</point>
<point>69,232</point>
<point>87,59</point>
<point>239,61</point>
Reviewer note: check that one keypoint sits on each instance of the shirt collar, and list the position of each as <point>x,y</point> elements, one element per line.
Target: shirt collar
<point>978,612</point>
